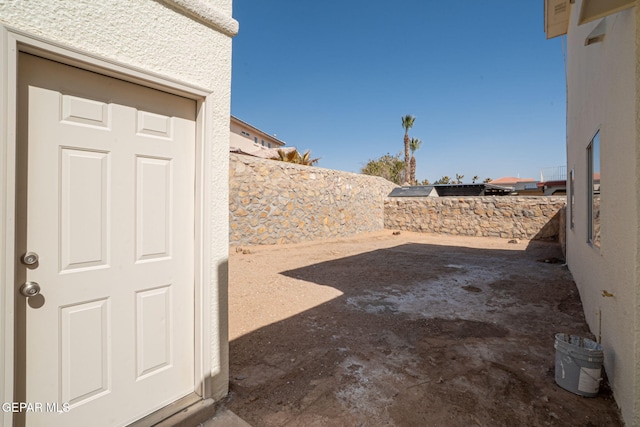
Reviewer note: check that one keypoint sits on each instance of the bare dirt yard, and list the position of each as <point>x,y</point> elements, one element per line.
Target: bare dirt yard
<point>404,330</point>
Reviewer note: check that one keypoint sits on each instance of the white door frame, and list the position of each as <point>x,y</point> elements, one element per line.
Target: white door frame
<point>11,43</point>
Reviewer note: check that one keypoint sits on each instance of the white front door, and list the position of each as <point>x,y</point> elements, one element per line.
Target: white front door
<point>106,174</point>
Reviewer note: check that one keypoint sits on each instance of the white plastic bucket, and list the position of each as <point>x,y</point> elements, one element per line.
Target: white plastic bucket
<point>578,364</point>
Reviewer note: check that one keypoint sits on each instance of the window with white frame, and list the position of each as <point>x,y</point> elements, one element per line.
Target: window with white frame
<point>593,191</point>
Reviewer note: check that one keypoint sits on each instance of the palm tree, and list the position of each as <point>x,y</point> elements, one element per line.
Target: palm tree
<point>306,159</point>
<point>286,156</point>
<point>407,123</point>
<point>414,145</point>
<point>475,178</point>
<point>293,156</point>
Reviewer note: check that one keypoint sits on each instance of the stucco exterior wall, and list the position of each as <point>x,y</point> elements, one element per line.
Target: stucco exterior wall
<point>187,41</point>
<point>602,94</point>
<point>506,217</point>
<point>150,35</point>
<point>273,202</point>
<point>636,283</point>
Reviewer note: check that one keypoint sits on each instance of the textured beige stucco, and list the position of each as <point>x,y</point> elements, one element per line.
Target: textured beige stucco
<point>602,95</point>
<point>160,38</point>
<point>636,283</point>
<point>636,181</point>
<point>142,33</point>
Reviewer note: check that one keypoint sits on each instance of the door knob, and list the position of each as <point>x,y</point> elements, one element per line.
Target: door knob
<point>30,258</point>
<point>30,289</point>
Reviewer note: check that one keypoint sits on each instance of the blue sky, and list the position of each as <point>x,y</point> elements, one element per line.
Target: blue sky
<point>486,87</point>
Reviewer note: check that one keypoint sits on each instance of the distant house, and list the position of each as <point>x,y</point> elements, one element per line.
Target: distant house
<point>553,181</point>
<point>248,139</point>
<point>553,188</point>
<point>603,216</point>
<point>516,184</point>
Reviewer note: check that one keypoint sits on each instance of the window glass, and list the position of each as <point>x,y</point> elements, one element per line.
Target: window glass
<point>593,188</point>
<point>572,198</point>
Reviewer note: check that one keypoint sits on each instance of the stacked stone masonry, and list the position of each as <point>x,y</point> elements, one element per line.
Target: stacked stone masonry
<point>272,202</point>
<point>506,217</point>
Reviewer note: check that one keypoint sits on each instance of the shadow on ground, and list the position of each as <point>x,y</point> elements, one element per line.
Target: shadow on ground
<point>422,335</point>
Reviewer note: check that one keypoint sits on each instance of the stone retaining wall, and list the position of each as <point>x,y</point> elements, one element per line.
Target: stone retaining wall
<point>273,202</point>
<point>506,217</point>
<point>276,202</point>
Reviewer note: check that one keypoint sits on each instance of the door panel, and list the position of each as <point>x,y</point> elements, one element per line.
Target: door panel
<point>153,208</point>
<point>84,209</point>
<point>84,351</point>
<point>110,211</point>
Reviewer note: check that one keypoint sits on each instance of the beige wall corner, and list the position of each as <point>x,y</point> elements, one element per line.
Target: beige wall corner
<point>602,96</point>
<point>181,46</point>
<point>636,282</point>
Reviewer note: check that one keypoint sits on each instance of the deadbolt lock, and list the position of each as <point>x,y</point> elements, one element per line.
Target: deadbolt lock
<point>30,258</point>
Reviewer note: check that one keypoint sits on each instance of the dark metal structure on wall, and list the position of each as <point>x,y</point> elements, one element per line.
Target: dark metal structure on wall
<point>451,190</point>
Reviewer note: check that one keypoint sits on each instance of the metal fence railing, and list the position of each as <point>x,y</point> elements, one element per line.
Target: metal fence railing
<point>555,173</point>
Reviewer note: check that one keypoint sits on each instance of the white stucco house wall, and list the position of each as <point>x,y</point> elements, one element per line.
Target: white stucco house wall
<point>603,174</point>
<point>114,142</point>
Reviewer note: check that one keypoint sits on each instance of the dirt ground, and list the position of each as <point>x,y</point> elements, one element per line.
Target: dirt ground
<point>404,330</point>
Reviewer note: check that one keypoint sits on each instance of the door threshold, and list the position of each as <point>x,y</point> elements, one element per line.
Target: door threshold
<point>185,409</point>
